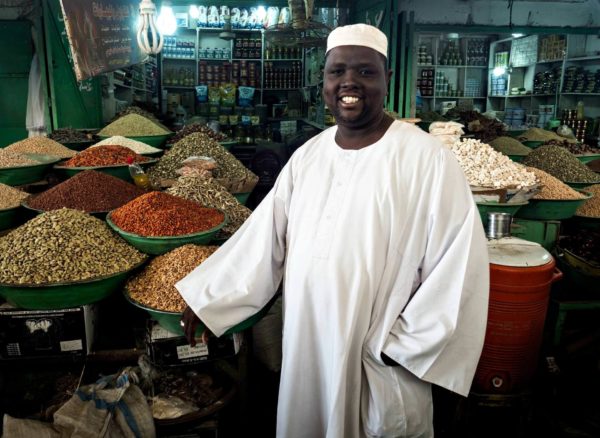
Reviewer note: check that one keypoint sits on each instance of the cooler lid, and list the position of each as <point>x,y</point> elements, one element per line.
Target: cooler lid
<point>511,251</point>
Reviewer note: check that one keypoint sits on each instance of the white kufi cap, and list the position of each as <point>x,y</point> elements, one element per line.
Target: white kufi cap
<point>358,35</point>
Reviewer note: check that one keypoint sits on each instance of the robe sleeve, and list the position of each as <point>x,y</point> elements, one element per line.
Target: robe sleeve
<point>242,276</point>
<point>439,335</point>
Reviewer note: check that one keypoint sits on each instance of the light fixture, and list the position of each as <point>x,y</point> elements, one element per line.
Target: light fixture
<point>167,24</point>
<point>147,24</point>
<point>194,12</point>
<point>517,35</point>
<point>261,13</point>
<point>498,71</point>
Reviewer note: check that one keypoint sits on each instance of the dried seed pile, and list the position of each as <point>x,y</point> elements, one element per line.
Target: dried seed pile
<point>88,191</point>
<point>196,127</point>
<point>553,188</point>
<point>63,246</point>
<point>136,146</point>
<point>585,244</point>
<point>484,167</point>
<point>160,214</point>
<point>509,146</point>
<point>140,112</point>
<point>591,207</point>
<point>11,197</point>
<point>154,287</point>
<point>70,135</point>
<point>210,193</point>
<point>14,159</point>
<point>41,145</point>
<point>198,144</point>
<point>539,134</point>
<point>561,164</point>
<point>133,125</point>
<point>575,148</point>
<point>106,155</point>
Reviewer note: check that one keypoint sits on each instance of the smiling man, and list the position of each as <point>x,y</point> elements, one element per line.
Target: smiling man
<point>373,231</point>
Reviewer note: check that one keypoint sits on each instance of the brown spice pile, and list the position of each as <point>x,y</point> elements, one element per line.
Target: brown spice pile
<point>591,207</point>
<point>107,155</point>
<point>553,188</point>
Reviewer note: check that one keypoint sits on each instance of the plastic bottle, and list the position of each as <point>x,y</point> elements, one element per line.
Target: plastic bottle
<point>140,178</point>
<point>580,112</point>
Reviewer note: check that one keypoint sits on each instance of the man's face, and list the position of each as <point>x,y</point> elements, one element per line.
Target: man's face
<point>355,85</point>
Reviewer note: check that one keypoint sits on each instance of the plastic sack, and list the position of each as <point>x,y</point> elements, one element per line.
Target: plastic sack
<point>246,94</point>
<point>227,92</point>
<point>202,93</point>
<point>197,166</point>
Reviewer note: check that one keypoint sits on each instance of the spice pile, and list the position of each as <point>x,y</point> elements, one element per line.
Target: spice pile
<point>196,127</point>
<point>591,207</point>
<point>70,135</point>
<point>42,146</point>
<point>63,246</point>
<point>136,146</point>
<point>478,125</point>
<point>210,193</point>
<point>561,164</point>
<point>585,244</point>
<point>10,197</point>
<point>154,287</point>
<point>134,125</point>
<point>157,214</point>
<point>539,134</point>
<point>88,191</point>
<point>575,148</point>
<point>484,167</point>
<point>553,188</point>
<point>509,146</point>
<point>140,112</point>
<point>197,390</point>
<point>14,159</point>
<point>594,165</point>
<point>107,155</point>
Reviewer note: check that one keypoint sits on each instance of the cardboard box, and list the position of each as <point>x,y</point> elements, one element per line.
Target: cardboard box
<point>170,349</point>
<point>34,334</point>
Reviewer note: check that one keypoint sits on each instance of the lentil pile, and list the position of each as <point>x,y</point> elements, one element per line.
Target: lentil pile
<point>539,134</point>
<point>106,155</point>
<point>14,159</point>
<point>561,164</point>
<point>509,146</point>
<point>136,146</point>
<point>591,207</point>
<point>89,191</point>
<point>210,193</point>
<point>70,135</point>
<point>10,197</point>
<point>63,246</point>
<point>196,127</point>
<point>154,287</point>
<point>157,214</point>
<point>484,167</point>
<point>41,145</point>
<point>133,125</point>
<point>585,244</point>
<point>553,188</point>
<point>198,144</point>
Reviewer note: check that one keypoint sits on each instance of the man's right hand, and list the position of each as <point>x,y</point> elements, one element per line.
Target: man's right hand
<point>190,323</point>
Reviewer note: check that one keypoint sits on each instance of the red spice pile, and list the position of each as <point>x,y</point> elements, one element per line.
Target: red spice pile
<point>160,214</point>
<point>88,191</point>
<point>105,155</point>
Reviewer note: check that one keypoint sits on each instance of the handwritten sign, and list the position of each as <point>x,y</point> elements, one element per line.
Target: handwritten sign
<point>102,35</point>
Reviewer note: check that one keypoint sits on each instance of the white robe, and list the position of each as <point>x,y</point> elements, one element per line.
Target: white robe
<point>380,249</point>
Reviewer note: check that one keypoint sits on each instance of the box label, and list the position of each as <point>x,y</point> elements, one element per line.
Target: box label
<point>74,345</point>
<point>188,352</point>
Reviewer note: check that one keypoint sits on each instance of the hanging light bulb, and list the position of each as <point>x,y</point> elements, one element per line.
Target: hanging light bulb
<point>167,24</point>
<point>147,24</point>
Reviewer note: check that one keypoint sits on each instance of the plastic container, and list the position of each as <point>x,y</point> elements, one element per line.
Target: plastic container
<point>517,158</point>
<point>139,177</point>
<point>581,185</point>
<point>587,158</point>
<point>548,209</point>
<point>10,217</point>
<point>120,170</point>
<point>20,175</point>
<point>242,197</point>
<point>532,144</point>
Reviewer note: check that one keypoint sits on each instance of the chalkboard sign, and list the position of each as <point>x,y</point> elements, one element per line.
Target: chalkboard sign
<point>102,35</point>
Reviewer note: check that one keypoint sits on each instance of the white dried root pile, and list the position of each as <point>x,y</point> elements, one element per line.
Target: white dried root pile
<point>485,167</point>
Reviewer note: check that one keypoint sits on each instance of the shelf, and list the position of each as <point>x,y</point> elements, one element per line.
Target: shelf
<point>460,97</point>
<point>584,58</point>
<point>187,87</point>
<point>214,59</point>
<point>315,124</point>
<point>283,60</point>
<point>169,58</point>
<point>451,66</point>
<point>282,89</point>
<point>554,61</point>
<point>221,29</point>
<point>580,94</point>
<point>518,96</point>
<point>245,59</point>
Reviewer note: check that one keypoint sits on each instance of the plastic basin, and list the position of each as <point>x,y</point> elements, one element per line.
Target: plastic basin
<point>242,197</point>
<point>587,158</point>
<point>20,175</point>
<point>153,140</point>
<point>98,214</point>
<point>489,207</point>
<point>587,222</point>
<point>517,158</point>
<point>78,145</point>
<point>548,209</point>
<point>119,171</point>
<point>10,217</point>
<point>580,185</point>
<point>532,143</point>
<point>228,144</point>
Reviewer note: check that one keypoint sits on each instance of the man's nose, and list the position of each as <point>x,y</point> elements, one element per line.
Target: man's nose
<point>349,78</point>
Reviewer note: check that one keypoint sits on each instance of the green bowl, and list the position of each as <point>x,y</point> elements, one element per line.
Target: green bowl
<point>581,281</point>
<point>20,175</point>
<point>161,245</point>
<point>517,158</point>
<point>171,320</point>
<point>78,145</point>
<point>587,222</point>
<point>580,185</point>
<point>242,197</point>
<point>548,209</point>
<point>515,133</point>
<point>156,154</point>
<point>489,207</point>
<point>63,295</point>
<point>153,140</point>
<point>228,144</point>
<point>11,217</point>
<point>532,143</point>
<point>587,158</point>
<point>119,171</point>
<point>99,214</point>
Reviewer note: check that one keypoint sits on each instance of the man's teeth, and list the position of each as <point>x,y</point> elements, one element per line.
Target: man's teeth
<point>349,99</point>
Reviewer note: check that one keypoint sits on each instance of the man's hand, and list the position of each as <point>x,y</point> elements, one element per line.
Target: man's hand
<point>189,323</point>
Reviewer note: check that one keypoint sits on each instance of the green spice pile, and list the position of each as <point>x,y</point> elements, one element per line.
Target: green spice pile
<point>210,193</point>
<point>11,197</point>
<point>561,164</point>
<point>42,146</point>
<point>509,146</point>
<point>198,144</point>
<point>154,287</point>
<point>553,188</point>
<point>14,159</point>
<point>196,127</point>
<point>63,246</point>
<point>140,112</point>
<point>591,207</point>
<point>106,155</point>
<point>133,125</point>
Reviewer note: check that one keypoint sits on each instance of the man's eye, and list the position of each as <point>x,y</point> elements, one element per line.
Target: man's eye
<point>366,72</point>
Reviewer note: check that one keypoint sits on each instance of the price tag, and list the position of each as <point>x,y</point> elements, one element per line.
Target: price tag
<point>188,352</point>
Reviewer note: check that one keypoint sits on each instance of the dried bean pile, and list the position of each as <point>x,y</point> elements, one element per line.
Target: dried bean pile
<point>136,146</point>
<point>561,164</point>
<point>591,207</point>
<point>198,144</point>
<point>154,287</point>
<point>594,165</point>
<point>70,135</point>
<point>196,127</point>
<point>585,244</point>
<point>41,145</point>
<point>10,197</point>
<point>197,389</point>
<point>106,155</point>
<point>553,188</point>
<point>160,214</point>
<point>63,246</point>
<point>14,159</point>
<point>509,146</point>
<point>88,191</point>
<point>133,125</point>
<point>210,193</point>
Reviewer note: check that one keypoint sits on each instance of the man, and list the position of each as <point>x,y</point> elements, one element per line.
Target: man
<point>374,232</point>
